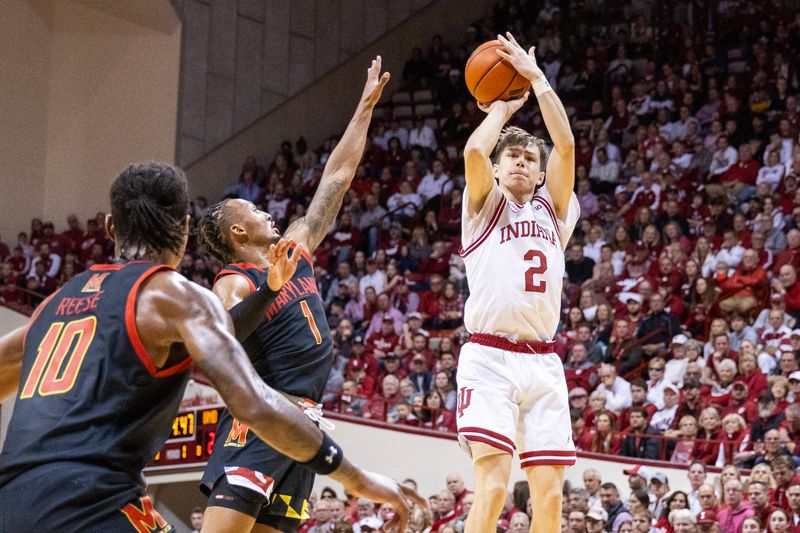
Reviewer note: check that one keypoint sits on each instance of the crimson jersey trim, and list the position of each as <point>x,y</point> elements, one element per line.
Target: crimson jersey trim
<point>227,272</point>
<point>133,333</point>
<point>464,252</point>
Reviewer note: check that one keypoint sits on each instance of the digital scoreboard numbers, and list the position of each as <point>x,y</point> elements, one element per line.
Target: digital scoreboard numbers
<point>190,441</point>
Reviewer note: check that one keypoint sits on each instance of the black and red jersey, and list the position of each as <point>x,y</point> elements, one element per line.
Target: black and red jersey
<point>291,349</point>
<point>89,393</point>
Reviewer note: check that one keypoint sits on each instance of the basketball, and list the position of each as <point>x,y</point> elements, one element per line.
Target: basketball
<point>489,77</point>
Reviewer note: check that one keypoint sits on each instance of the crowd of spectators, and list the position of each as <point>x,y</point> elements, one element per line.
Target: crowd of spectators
<point>769,499</point>
<point>681,297</point>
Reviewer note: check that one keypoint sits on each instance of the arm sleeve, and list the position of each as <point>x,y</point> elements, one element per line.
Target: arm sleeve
<point>249,313</point>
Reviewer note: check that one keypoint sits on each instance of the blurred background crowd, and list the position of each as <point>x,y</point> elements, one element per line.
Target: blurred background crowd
<point>678,334</point>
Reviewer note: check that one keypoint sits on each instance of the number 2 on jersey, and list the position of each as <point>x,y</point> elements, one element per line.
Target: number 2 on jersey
<point>531,285</point>
<point>59,357</point>
<point>311,323</point>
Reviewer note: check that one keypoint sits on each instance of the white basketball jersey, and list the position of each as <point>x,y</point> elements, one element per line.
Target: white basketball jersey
<point>514,255</point>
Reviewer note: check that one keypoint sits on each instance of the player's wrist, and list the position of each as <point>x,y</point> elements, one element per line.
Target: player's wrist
<point>328,458</point>
<point>534,75</point>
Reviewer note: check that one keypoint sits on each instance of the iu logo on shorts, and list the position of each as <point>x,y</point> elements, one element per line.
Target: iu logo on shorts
<point>464,399</point>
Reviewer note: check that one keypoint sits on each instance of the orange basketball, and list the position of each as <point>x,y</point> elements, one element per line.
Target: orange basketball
<point>489,77</point>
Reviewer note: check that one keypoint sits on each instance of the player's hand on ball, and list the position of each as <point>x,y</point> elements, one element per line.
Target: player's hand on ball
<point>375,83</point>
<point>379,488</point>
<point>282,267</point>
<point>524,62</point>
<point>508,107</point>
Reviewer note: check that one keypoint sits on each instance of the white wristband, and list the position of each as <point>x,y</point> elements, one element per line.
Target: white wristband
<point>541,87</point>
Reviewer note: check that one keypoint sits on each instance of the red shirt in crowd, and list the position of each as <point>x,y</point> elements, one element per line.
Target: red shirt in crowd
<point>744,172</point>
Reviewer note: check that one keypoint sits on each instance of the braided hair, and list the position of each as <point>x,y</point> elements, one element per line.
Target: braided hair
<point>212,228</point>
<point>149,205</point>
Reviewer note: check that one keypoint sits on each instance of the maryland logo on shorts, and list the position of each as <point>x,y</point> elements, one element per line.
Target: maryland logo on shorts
<point>145,519</point>
<point>237,436</point>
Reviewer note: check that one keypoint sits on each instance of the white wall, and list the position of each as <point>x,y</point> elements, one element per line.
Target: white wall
<point>88,86</point>
<point>428,459</point>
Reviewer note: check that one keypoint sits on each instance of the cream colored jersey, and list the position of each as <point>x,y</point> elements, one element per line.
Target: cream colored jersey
<point>514,256</point>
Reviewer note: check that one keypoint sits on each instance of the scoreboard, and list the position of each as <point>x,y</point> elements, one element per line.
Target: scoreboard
<point>190,441</point>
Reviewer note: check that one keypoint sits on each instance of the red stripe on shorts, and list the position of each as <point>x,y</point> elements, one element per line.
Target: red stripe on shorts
<point>546,462</point>
<point>547,458</point>
<point>558,453</point>
<point>504,442</point>
<point>488,442</point>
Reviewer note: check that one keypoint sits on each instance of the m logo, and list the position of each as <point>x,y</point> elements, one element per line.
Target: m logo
<point>145,519</point>
<point>237,437</point>
<point>94,283</point>
<point>464,399</point>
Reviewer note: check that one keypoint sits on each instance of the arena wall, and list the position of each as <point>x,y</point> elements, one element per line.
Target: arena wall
<point>242,58</point>
<point>325,107</point>
<point>93,86</point>
<point>25,63</point>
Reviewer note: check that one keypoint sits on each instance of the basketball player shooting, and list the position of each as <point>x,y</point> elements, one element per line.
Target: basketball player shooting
<point>289,341</point>
<point>519,213</point>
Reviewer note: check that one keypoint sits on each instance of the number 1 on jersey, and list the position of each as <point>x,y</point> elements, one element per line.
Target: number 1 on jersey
<point>532,285</point>
<point>311,323</point>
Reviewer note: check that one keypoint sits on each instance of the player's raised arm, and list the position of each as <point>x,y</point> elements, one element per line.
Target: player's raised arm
<point>11,352</point>
<point>341,166</point>
<point>561,164</point>
<point>478,150</point>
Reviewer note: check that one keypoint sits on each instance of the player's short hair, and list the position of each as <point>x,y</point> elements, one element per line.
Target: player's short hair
<point>513,136</point>
<point>212,230</point>
<point>149,205</point>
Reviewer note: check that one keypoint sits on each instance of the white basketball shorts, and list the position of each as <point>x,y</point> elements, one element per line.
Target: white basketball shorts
<point>515,401</point>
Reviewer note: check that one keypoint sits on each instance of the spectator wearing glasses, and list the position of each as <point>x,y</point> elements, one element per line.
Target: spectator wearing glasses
<point>656,382</point>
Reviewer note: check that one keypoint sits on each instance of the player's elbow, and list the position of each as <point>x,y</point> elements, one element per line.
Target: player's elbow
<point>565,144</point>
<point>473,152</point>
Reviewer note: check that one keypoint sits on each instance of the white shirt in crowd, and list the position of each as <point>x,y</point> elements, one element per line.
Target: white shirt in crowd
<point>423,136</point>
<point>771,175</point>
<point>376,280</point>
<point>619,397</point>
<point>722,160</point>
<point>663,419</point>
<point>730,256</point>
<point>434,185</point>
<point>55,265</point>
